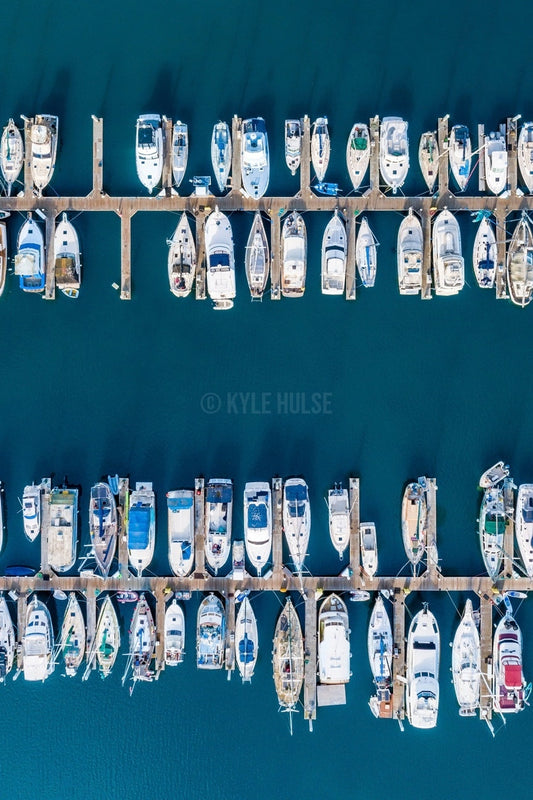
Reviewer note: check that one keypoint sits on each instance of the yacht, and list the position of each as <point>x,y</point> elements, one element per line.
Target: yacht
<point>520,263</point>
<point>320,147</point>
<point>333,641</point>
<point>358,154</point>
<point>11,154</point>
<point>257,258</point>
<point>293,255</point>
<point>103,524</point>
<point>221,153</point>
<point>31,511</point>
<point>393,152</point>
<point>220,260</point>
<point>210,633</point>
<point>484,257</point>
<point>37,642</point>
<point>141,527</point>
<point>334,249</point>
<point>258,523</point>
<point>72,639</point>
<point>180,509</point>
<point>495,156</point>
<point>448,263</point>
<point>466,663</point>
<point>142,641</point>
<point>43,141</point>
<point>525,154</point>
<point>524,525</point>
<point>293,144</point>
<point>149,150</point>
<point>181,258</point>
<point>366,254</point>
<point>509,686</point>
<point>255,158</point>
<point>7,640</point>
<point>296,519</point>
<point>414,521</point>
<point>218,518</point>
<point>246,640</point>
<point>107,640</point>
<point>428,157</point>
<point>174,634</point>
<point>369,548</point>
<point>423,655</point>
<point>3,255</point>
<point>288,658</point>
<point>492,523</point>
<point>180,151</point>
<point>67,258</point>
<point>30,260</point>
<point>410,252</point>
<point>62,528</point>
<point>339,518</point>
<point>380,655</point>
<point>460,155</point>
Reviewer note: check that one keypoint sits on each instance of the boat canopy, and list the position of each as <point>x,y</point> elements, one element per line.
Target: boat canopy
<point>219,494</point>
<point>257,515</point>
<point>146,135</point>
<point>66,272</point>
<point>27,263</point>
<point>513,676</point>
<point>176,503</point>
<point>495,527</point>
<point>139,524</point>
<point>246,650</point>
<point>219,260</point>
<point>359,142</point>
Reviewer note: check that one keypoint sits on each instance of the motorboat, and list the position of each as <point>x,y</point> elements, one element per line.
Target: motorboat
<point>107,639</point>
<point>288,658</point>
<point>30,259</point>
<point>149,150</point>
<point>255,157</point>
<point>369,548</point>
<point>258,523</point>
<point>257,258</point>
<point>460,155</point>
<point>320,147</point>
<point>334,250</point>
<point>520,263</point>
<point>246,640</point>
<point>103,525</point>
<point>7,640</point>
<point>358,154</point>
<point>296,519</point>
<point>494,475</point>
<point>293,255</point>
<point>210,633</point>
<point>62,529</point>
<point>495,156</point>
<point>485,255</point>
<point>180,151</point>
<point>380,655</point>
<point>293,144</point>
<point>11,154</point>
<point>67,258</point>
<point>333,641</point>
<point>410,253</point>
<point>127,597</point>
<point>422,673</point>
<point>393,152</point>
<point>37,642</point>
<point>174,634</point>
<point>366,254</point>
<point>220,260</point>
<point>141,527</point>
<point>492,522</point>
<point>428,158</point>
<point>181,258</point>
<point>414,521</point>
<point>31,511</point>
<point>221,152</point>
<point>43,150</point>
<point>142,642</point>
<point>339,518</point>
<point>524,525</point>
<point>466,663</point>
<point>180,510</point>
<point>73,636</point>
<point>509,686</point>
<point>448,263</point>
<point>525,154</point>
<point>218,519</point>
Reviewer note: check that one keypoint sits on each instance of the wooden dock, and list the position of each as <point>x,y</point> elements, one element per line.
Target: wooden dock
<point>123,514</point>
<point>275,255</point>
<point>512,154</point>
<point>91,623</point>
<point>508,539</point>
<point>305,162</point>
<point>431,549</point>
<point>486,605</point>
<point>427,275</point>
<point>355,521</point>
<point>398,661</point>
<point>374,156</point>
<point>98,155</point>
<point>236,174</point>
<point>230,634</point>
<point>351,272</point>
<point>199,528</point>
<point>444,153</point>
<point>310,667</point>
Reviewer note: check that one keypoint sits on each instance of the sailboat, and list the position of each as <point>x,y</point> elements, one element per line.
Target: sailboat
<point>7,640</point>
<point>257,258</point>
<point>428,157</point>
<point>72,639</point>
<point>414,522</point>
<point>174,634</point>
<point>366,254</point>
<point>524,525</point>
<point>358,154</point>
<point>288,658</point>
<point>466,663</point>
<point>320,147</point>
<point>460,155</point>
<point>103,525</point>
<point>520,263</point>
<point>296,519</point>
<point>142,642</point>
<point>107,639</point>
<point>380,654</point>
<point>3,253</point>
<point>492,524</point>
<point>246,640</point>
<point>221,152</point>
<point>11,154</point>
<point>181,258</point>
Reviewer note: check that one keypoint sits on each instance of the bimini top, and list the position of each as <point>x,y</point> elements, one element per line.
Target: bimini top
<point>219,494</point>
<point>257,514</point>
<point>139,526</point>
<point>179,502</point>
<point>296,496</point>
<point>219,260</point>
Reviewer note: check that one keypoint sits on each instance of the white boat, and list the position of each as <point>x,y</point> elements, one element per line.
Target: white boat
<point>334,250</point>
<point>246,640</point>
<point>218,519</point>
<point>492,521</point>
<point>366,254</point>
<point>509,686</point>
<point>410,251</point>
<point>257,504</point>
<point>466,663</point>
<point>62,530</point>
<point>485,255</point>
<point>423,655</point>
<point>220,260</point>
<point>393,152</point>
<point>73,636</point>
<point>320,147</point>
<point>288,658</point>
<point>7,640</point>
<point>3,255</point>
<point>358,154</point>
<point>380,655</point>
<point>180,151</point>
<point>524,525</point>
<point>180,510</point>
<point>296,519</point>
<point>149,150</point>
<point>293,144</point>
<point>11,154</point>
<point>293,255</point>
<point>181,258</point>
<point>448,263</point>
<point>428,158</point>
<point>43,144</point>
<point>257,258</point>
<point>31,511</point>
<point>494,475</point>
<point>221,152</point>
<point>460,155</point>
<point>210,633</point>
<point>495,156</point>
<point>30,260</point>
<point>67,258</point>
<point>255,157</point>
<point>142,641</point>
<point>520,263</point>
<point>37,642</point>
<point>333,641</point>
<point>174,634</point>
<point>414,521</point>
<point>339,518</point>
<point>107,639</point>
<point>103,524</point>
<point>525,154</point>
<point>141,527</point>
<point>369,548</point>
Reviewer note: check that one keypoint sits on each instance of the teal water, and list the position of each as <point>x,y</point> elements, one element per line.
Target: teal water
<point>440,388</point>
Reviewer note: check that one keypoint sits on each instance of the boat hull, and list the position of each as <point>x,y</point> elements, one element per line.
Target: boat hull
<point>423,656</point>
<point>246,640</point>
<point>334,251</point>
<point>257,503</point>
<point>410,255</point>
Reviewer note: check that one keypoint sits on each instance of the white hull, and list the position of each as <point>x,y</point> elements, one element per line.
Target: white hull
<point>428,158</point>
<point>174,634</point>
<point>334,249</point>
<point>485,255</point>
<point>393,152</point>
<point>210,633</point>
<point>293,144</point>
<point>410,254</point>
<point>221,152</point>
<point>220,259</point>
<point>525,154</point>
<point>255,158</point>
<point>288,657</point>
<point>495,162</point>
<point>460,155</point>
<point>180,509</point>
<point>7,640</point>
<point>423,655</point>
<point>293,256</point>
<point>141,527</point>
<point>181,258</point>
<point>67,257</point>
<point>37,642</point>
<point>524,525</point>
<point>246,640</point>
<point>366,254</point>
<point>369,548</point>
<point>31,511</point>
<point>149,150</point>
<point>508,679</point>
<point>466,663</point>
<point>520,263</point>
<point>492,530</point>
<point>11,154</point>
<point>414,522</point>
<point>142,641</point>
<point>43,137</point>
<point>494,475</point>
<point>380,650</point>
<point>218,522</point>
<point>333,641</point>
<point>180,151</point>
<point>30,258</point>
<point>258,524</point>
<point>448,264</point>
<point>103,526</point>
<point>72,641</point>
<point>257,258</point>
<point>62,529</point>
<point>339,519</point>
<point>320,147</point>
<point>107,640</point>
<point>358,154</point>
<point>296,519</point>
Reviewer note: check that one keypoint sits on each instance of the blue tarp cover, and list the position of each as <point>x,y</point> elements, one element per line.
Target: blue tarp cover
<point>219,260</point>
<point>246,650</point>
<point>257,516</point>
<point>139,525</point>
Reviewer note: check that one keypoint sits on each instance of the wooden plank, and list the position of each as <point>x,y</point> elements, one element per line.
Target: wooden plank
<point>443,180</point>
<point>481,148</point>
<point>50,283</point>
<point>98,155</point>
<point>508,539</point>
<point>236,135</point>
<point>91,621</point>
<point>512,153</point>
<point>275,256</point>
<point>167,178</point>
<point>199,527</point>
<point>350,288</point>
<point>398,662</point>
<point>230,634</point>
<point>277,530</point>
<point>123,515</point>
<point>200,277</point>
<point>28,181</point>
<point>486,606</point>
<point>355,522</point>
<point>125,255</point>
<point>501,255</point>
<point>45,522</point>
<point>310,657</point>
<point>432,551</point>
<point>427,278</point>
<point>305,164</point>
<point>374,155</point>
<point>160,609</point>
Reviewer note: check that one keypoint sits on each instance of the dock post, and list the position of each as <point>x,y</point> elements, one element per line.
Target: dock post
<point>199,528</point>
<point>125,254</point>
<point>277,532</point>
<point>275,254</point>
<point>98,155</point>
<point>167,177</point>
<point>91,623</point>
<point>427,280</point>
<point>485,702</point>
<point>444,175</point>
<point>50,284</point>
<point>501,257</point>
<point>350,288</point>
<point>160,610</point>
<point>123,515</point>
<point>200,277</point>
<point>433,570</point>
<point>355,522</point>
<point>398,662</point>
<point>28,181</point>
<point>310,658</point>
<point>305,162</point>
<point>374,155</point>
<point>512,153</point>
<point>481,149</point>
<point>230,634</point>
<point>236,135</point>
